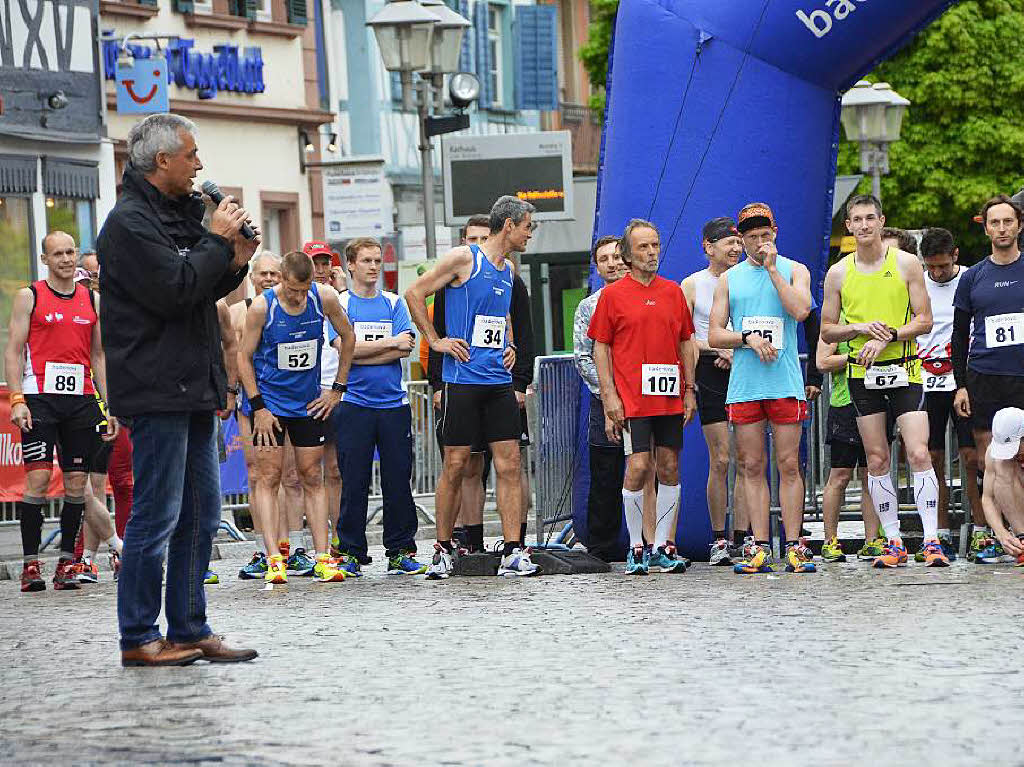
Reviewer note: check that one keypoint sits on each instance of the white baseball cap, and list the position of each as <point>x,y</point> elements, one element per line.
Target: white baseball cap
<point>1007,432</point>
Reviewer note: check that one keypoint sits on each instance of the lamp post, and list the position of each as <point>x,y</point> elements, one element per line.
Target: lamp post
<point>872,115</point>
<point>426,37</point>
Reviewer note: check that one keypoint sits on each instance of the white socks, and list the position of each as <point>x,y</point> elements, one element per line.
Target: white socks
<point>633,505</point>
<point>88,556</point>
<point>668,511</point>
<point>926,496</point>
<point>115,543</point>
<point>883,495</point>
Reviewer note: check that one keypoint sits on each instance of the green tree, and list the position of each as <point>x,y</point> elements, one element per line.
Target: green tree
<point>964,134</point>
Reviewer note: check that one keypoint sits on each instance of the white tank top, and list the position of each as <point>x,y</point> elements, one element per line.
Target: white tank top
<point>936,344</point>
<point>704,283</point>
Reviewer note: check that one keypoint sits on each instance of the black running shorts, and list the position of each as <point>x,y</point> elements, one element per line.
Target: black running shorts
<point>896,402</point>
<point>939,405</point>
<point>662,430</point>
<point>303,432</point>
<point>67,422</point>
<point>712,386</point>
<point>473,415</point>
<point>991,393</point>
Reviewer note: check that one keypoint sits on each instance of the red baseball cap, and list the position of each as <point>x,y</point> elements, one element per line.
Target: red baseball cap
<point>315,248</point>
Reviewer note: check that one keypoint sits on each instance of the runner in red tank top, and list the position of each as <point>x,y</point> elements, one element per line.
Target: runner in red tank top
<point>53,357</point>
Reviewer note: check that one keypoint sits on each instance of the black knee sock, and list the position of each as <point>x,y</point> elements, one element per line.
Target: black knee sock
<point>31,516</point>
<point>718,535</point>
<point>475,537</point>
<point>70,523</point>
<point>522,532</point>
<point>511,546</point>
<point>738,536</point>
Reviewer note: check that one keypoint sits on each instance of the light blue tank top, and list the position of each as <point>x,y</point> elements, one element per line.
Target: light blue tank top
<point>287,360</point>
<point>476,311</point>
<point>752,295</point>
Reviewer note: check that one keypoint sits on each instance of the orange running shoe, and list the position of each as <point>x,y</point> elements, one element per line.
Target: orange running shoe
<point>934,556</point>
<point>894,555</point>
<point>285,547</point>
<point>32,578</point>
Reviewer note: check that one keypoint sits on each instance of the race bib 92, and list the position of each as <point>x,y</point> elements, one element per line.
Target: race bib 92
<point>660,380</point>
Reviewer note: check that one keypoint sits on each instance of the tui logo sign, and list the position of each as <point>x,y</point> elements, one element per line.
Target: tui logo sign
<point>142,86</point>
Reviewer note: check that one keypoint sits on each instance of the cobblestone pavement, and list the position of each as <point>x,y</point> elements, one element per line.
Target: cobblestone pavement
<point>846,665</point>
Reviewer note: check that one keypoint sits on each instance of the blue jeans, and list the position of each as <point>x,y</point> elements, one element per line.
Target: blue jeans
<point>176,509</point>
<point>389,430</point>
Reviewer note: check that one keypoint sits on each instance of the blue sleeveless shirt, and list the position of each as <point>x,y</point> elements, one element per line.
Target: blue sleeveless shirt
<point>287,360</point>
<point>753,297</point>
<point>475,311</point>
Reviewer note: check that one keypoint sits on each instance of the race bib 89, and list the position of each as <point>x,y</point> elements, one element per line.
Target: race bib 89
<point>64,378</point>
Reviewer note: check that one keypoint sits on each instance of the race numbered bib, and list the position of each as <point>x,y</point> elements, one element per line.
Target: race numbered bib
<point>886,377</point>
<point>771,329</point>
<point>371,331</point>
<point>64,378</point>
<point>297,356</point>
<point>660,380</point>
<point>1004,330</point>
<point>939,383</point>
<point>489,332</point>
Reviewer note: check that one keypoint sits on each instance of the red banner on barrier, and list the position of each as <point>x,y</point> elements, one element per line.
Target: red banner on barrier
<point>12,473</point>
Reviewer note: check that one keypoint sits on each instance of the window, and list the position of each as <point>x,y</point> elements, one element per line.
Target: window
<point>72,216</point>
<point>17,255</point>
<point>495,15</point>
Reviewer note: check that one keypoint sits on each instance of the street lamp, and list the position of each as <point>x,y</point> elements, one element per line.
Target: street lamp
<point>426,37</point>
<point>872,115</point>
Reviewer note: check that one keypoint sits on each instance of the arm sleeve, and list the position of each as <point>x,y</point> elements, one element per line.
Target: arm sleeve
<point>435,361</point>
<point>583,347</point>
<point>522,331</point>
<point>960,343</point>
<point>812,329</point>
<point>162,279</point>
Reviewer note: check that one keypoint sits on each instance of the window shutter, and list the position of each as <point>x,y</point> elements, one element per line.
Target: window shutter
<point>396,86</point>
<point>246,8</point>
<point>297,12</point>
<point>536,67</point>
<point>483,53</point>
<point>152,3</point>
<point>183,6</point>
<point>466,53</point>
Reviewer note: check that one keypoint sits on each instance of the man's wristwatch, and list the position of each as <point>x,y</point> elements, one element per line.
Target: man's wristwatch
<point>894,334</point>
<point>744,335</point>
<point>340,387</point>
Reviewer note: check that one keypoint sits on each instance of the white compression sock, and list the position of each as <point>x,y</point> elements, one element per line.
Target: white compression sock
<point>633,505</point>
<point>668,509</point>
<point>883,495</point>
<point>115,543</point>
<point>88,556</point>
<point>926,496</point>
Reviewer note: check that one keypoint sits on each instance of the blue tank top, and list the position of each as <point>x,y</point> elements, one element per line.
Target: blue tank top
<point>753,298</point>
<point>475,311</point>
<point>287,360</point>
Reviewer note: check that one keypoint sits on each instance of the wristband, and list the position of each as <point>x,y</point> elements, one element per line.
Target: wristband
<point>233,390</point>
<point>257,403</point>
<point>513,347</point>
<point>17,398</point>
<point>743,337</point>
<point>690,387</point>
<point>339,387</point>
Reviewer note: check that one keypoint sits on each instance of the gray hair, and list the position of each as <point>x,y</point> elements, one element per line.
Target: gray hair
<point>255,262</point>
<point>509,206</point>
<point>154,134</point>
<point>624,241</point>
<point>84,254</point>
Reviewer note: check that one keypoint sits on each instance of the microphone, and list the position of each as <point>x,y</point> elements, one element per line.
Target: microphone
<point>214,193</point>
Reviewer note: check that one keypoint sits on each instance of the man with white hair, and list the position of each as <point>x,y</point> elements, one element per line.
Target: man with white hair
<point>1003,496</point>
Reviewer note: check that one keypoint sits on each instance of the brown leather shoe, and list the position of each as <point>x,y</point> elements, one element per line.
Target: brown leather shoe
<point>159,652</point>
<point>214,650</point>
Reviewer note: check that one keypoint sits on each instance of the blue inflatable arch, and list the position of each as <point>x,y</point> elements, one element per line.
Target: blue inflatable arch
<point>716,103</point>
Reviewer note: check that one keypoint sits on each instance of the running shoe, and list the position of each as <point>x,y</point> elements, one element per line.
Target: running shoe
<point>211,578</point>
<point>335,547</point>
<point>441,565</point>
<point>326,570</point>
<point>351,565</point>
<point>32,577</point>
<point>993,554</point>
<point>300,563</point>
<point>87,572</point>
<point>405,564</point>
<point>980,539</point>
<point>934,556</point>
<point>664,559</point>
<point>872,549</point>
<point>947,547</point>
<point>895,555</point>
<point>799,557</point>
<point>759,560</point>
<point>276,570</point>
<point>65,577</point>
<point>285,547</point>
<point>1020,558</point>
<point>638,561</point>
<point>517,563</point>
<point>115,563</point>
<point>832,551</point>
<point>720,553</point>
<point>749,548</point>
<point>256,568</point>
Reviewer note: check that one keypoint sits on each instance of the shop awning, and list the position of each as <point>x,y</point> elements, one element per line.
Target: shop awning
<point>71,178</point>
<point>17,174</point>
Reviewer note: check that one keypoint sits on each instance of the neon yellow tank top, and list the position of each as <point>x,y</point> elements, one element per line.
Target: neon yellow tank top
<point>881,296</point>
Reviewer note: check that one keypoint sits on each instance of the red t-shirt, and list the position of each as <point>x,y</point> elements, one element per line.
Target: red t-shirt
<point>644,325</point>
